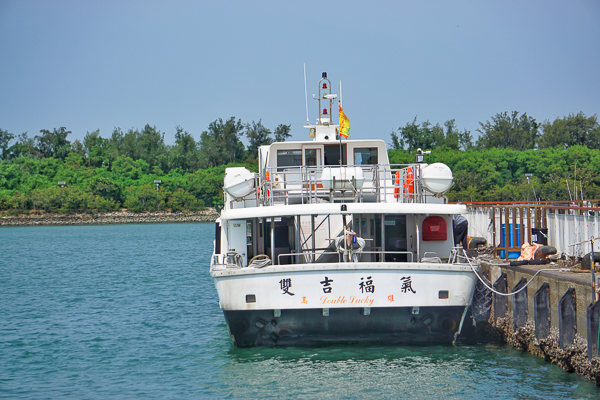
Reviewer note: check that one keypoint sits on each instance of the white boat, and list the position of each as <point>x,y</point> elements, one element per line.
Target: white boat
<point>330,243</point>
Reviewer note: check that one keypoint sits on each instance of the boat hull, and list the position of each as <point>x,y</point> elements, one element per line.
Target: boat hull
<point>310,327</point>
<point>344,303</point>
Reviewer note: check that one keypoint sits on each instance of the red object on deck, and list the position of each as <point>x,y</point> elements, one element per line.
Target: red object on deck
<point>435,228</point>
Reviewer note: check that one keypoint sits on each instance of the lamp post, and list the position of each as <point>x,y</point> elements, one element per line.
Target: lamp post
<point>158,182</point>
<point>529,175</point>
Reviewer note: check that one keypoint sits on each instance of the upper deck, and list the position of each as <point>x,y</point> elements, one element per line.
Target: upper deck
<point>331,169</point>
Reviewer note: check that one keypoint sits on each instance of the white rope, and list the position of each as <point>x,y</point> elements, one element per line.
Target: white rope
<point>510,294</point>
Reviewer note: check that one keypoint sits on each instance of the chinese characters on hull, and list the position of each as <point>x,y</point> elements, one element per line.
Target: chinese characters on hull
<point>366,286</point>
<point>326,285</point>
<point>407,285</point>
<point>285,285</point>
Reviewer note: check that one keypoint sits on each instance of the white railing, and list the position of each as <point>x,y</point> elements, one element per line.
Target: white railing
<point>382,183</point>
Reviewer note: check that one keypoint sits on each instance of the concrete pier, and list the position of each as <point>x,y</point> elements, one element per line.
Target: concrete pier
<point>552,318</point>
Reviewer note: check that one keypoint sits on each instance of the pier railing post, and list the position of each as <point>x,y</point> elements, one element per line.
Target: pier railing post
<point>567,318</point>
<point>520,305</point>
<point>541,311</point>
<point>500,302</point>
<point>593,319</point>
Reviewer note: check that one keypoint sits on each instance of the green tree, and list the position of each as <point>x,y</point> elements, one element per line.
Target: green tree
<point>184,154</point>
<point>24,147</point>
<point>5,139</point>
<point>282,132</point>
<point>53,144</point>
<point>508,132</point>
<point>221,143</point>
<point>144,198</point>
<point>396,145</point>
<point>181,199</point>
<point>258,136</point>
<point>426,136</point>
<point>105,188</point>
<point>571,130</point>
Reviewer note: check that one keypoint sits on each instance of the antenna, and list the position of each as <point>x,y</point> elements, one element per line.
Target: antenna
<point>306,96</point>
<point>341,94</point>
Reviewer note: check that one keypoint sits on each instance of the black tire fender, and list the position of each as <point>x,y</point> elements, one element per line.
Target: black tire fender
<point>476,242</point>
<point>544,252</point>
<point>586,261</point>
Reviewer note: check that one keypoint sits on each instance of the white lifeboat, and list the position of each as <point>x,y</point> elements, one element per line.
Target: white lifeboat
<point>238,182</point>
<point>437,178</point>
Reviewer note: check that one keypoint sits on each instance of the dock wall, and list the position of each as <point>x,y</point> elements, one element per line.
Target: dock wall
<point>552,318</point>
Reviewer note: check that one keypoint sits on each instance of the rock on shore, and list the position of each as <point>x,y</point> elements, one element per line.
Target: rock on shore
<point>117,217</point>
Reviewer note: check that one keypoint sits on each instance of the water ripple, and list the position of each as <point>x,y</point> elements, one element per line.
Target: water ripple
<point>129,311</point>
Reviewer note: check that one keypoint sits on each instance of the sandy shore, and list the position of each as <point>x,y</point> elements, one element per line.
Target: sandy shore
<point>117,217</point>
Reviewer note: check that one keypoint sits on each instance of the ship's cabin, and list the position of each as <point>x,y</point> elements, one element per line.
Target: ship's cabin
<point>331,235</point>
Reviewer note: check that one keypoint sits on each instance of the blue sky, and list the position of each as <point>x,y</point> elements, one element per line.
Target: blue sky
<point>90,65</point>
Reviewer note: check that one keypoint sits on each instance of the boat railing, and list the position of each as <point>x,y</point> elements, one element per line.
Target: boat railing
<point>311,257</point>
<point>384,253</point>
<point>229,259</point>
<point>380,183</point>
<point>307,256</point>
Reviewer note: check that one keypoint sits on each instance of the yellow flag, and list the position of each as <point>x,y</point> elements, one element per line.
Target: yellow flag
<point>344,124</point>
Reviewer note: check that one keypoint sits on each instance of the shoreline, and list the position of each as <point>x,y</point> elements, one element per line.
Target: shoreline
<point>111,218</point>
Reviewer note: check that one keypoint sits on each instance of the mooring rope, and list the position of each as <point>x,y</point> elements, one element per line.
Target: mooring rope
<point>515,292</point>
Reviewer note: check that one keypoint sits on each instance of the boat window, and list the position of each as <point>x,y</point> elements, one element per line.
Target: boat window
<point>365,156</point>
<point>289,158</point>
<point>217,238</point>
<point>332,154</point>
<point>312,157</point>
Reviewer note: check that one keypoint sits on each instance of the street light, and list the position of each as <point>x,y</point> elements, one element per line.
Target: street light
<point>158,182</point>
<point>529,175</point>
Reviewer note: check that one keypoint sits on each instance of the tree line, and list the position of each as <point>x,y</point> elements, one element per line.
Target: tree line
<point>105,174</point>
<point>504,131</point>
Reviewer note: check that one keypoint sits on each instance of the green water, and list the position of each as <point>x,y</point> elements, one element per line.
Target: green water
<point>130,312</point>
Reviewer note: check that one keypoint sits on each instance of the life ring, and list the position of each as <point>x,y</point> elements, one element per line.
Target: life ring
<point>268,191</point>
<point>397,185</point>
<point>409,186</point>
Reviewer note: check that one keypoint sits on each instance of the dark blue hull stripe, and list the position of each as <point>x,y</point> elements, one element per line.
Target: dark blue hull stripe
<point>300,327</point>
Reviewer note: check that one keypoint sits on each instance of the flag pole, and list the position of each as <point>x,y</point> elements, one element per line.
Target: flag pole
<point>340,126</point>
<point>306,96</point>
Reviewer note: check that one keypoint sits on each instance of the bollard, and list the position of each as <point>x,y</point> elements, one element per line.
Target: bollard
<point>567,318</point>
<point>500,302</point>
<point>541,311</point>
<point>592,319</point>
<point>520,305</point>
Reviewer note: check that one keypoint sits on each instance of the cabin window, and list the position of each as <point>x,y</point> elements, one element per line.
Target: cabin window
<point>365,156</point>
<point>332,154</point>
<point>289,158</point>
<point>312,157</point>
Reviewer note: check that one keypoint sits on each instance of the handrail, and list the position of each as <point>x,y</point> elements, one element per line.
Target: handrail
<point>308,253</point>
<point>304,184</point>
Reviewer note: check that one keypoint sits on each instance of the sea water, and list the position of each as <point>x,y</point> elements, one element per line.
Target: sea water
<point>130,312</point>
